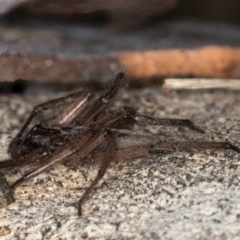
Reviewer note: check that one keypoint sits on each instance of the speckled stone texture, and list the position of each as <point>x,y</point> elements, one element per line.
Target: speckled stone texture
<point>185,195</point>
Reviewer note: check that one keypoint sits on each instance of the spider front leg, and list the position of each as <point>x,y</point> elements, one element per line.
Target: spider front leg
<point>100,103</point>
<point>83,146</point>
<point>41,153</point>
<point>77,101</point>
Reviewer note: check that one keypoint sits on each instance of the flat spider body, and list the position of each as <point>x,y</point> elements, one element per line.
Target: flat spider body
<point>79,133</point>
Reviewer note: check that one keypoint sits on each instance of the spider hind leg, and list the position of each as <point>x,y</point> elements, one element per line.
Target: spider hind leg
<point>107,157</point>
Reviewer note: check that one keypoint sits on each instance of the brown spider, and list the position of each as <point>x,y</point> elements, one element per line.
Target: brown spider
<point>79,133</point>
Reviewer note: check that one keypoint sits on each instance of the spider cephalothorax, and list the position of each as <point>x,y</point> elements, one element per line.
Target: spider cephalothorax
<point>79,133</point>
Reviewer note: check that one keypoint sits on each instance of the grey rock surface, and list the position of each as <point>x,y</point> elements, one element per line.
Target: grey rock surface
<point>185,195</point>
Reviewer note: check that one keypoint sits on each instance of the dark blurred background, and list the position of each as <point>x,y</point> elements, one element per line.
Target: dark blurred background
<point>212,10</point>
<point>47,41</point>
<point>127,14</point>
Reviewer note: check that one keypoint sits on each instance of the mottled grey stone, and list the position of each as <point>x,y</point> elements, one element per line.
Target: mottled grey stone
<point>177,196</point>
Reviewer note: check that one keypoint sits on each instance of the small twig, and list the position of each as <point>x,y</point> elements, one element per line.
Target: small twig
<point>198,83</point>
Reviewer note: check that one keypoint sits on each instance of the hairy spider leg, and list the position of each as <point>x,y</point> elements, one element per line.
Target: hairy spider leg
<point>142,119</point>
<point>186,146</point>
<point>29,158</point>
<point>73,110</point>
<point>107,121</point>
<point>100,103</point>
<point>144,150</point>
<point>117,116</point>
<point>78,102</point>
<point>78,98</point>
<point>105,160</point>
<point>87,144</point>
<point>42,153</point>
<point>125,116</point>
<point>83,146</point>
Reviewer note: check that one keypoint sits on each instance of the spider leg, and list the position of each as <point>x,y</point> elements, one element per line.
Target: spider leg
<point>116,118</point>
<point>83,146</point>
<point>76,107</point>
<point>142,150</point>
<point>126,153</point>
<point>27,159</point>
<point>186,146</point>
<point>100,103</point>
<point>77,100</point>
<point>80,96</point>
<point>105,160</point>
<point>125,116</point>
<point>142,119</point>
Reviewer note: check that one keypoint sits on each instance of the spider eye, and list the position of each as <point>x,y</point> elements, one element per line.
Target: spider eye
<point>36,128</point>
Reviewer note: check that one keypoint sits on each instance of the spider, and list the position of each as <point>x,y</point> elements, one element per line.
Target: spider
<point>80,132</point>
